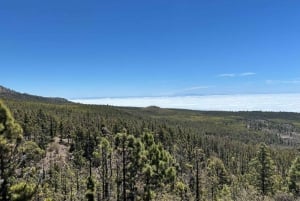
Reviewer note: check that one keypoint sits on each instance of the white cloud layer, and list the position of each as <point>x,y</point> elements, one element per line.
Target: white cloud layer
<point>254,102</point>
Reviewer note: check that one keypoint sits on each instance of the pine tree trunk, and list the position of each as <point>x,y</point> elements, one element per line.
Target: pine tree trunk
<point>124,172</point>
<point>118,183</point>
<point>197,181</point>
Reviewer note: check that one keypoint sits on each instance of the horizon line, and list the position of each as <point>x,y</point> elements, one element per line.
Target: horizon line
<point>185,95</point>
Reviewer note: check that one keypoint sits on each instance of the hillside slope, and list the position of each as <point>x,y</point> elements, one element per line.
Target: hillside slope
<point>6,93</point>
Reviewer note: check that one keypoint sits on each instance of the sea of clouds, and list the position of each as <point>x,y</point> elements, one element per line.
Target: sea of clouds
<point>252,102</point>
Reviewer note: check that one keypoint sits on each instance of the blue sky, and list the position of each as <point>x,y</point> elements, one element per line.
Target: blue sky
<point>77,49</point>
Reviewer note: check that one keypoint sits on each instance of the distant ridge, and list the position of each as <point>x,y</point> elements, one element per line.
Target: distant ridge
<point>6,93</point>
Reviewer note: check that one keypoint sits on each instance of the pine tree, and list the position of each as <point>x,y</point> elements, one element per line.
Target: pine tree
<point>12,157</point>
<point>10,139</point>
<point>199,157</point>
<point>159,168</point>
<point>294,177</point>
<point>90,189</point>
<point>102,157</point>
<point>130,150</point>
<point>22,191</point>
<point>263,171</point>
<point>218,176</point>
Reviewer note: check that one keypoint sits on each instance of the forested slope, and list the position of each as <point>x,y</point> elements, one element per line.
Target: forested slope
<point>86,152</point>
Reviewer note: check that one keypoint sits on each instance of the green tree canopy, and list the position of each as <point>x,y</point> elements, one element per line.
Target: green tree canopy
<point>294,177</point>
<point>13,154</point>
<point>262,173</point>
<point>10,139</point>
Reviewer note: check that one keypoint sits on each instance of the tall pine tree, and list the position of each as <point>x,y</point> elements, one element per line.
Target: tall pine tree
<point>12,157</point>
<point>130,151</point>
<point>294,177</point>
<point>263,171</point>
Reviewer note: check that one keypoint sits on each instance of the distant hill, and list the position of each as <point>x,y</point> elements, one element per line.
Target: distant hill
<point>6,93</point>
